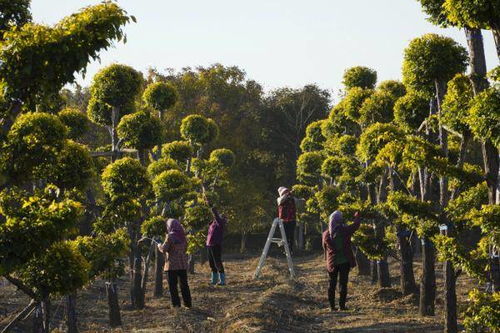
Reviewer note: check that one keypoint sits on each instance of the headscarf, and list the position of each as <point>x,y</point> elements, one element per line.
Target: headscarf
<point>335,221</point>
<point>176,231</point>
<point>283,192</point>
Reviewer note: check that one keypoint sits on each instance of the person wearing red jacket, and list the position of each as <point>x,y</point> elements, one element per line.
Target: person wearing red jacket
<point>339,258</point>
<point>287,213</point>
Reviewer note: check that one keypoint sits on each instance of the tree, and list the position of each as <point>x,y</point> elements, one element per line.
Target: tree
<point>62,50</point>
<point>160,96</point>
<point>114,89</point>
<point>359,76</point>
<point>14,14</point>
<point>76,121</point>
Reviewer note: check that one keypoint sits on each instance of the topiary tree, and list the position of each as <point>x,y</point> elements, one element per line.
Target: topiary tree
<point>395,88</point>
<point>378,108</point>
<point>353,101</point>
<point>160,96</point>
<point>179,151</point>
<point>125,181</point>
<point>140,130</point>
<point>76,121</point>
<point>115,86</point>
<point>359,76</point>
<point>76,39</point>
<point>411,110</point>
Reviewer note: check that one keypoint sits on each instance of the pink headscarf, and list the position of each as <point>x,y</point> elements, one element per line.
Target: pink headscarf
<point>336,220</point>
<point>283,190</point>
<point>176,231</point>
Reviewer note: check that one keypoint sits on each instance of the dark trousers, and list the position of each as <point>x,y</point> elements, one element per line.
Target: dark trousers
<point>215,258</point>
<point>290,233</point>
<point>340,272</point>
<point>173,278</point>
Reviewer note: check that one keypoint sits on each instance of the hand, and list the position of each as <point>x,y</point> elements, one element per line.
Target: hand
<point>356,215</point>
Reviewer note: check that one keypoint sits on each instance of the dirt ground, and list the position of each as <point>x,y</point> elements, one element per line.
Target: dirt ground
<point>272,303</point>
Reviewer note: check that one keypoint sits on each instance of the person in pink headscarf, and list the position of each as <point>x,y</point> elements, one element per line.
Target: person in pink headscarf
<point>176,262</point>
<point>338,254</point>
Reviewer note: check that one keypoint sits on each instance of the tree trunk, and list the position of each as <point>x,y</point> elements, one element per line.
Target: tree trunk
<point>384,277</point>
<point>145,272</point>
<point>362,263</point>
<point>450,298</point>
<point>191,262</point>
<point>159,263</point>
<point>407,277</point>
<point>428,280</point>
<point>115,318</point>
<point>443,142</point>
<point>300,238</point>
<point>136,292</point>
<point>115,112</point>
<point>374,271</point>
<point>243,242</point>
<point>71,315</point>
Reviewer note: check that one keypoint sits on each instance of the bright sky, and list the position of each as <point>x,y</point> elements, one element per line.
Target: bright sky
<point>277,42</point>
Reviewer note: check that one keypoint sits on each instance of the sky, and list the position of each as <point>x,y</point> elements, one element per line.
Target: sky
<point>277,42</point>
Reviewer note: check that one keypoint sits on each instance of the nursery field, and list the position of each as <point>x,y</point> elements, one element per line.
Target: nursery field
<point>271,304</point>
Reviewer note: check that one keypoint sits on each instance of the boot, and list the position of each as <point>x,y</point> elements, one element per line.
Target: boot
<point>222,279</point>
<point>213,280</point>
<point>331,300</point>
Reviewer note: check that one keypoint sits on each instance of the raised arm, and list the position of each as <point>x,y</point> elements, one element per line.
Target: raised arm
<point>165,247</point>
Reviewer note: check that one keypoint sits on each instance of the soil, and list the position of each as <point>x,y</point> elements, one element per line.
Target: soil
<point>272,303</point>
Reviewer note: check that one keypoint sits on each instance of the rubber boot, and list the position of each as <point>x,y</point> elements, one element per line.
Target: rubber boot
<point>213,280</point>
<point>222,279</point>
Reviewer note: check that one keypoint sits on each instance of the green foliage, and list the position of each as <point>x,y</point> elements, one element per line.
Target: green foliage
<point>346,145</point>
<point>119,212</point>
<point>332,167</point>
<point>302,191</point>
<point>309,145</point>
<point>352,102</point>
<point>197,217</point>
<point>395,88</point>
<point>359,76</point>
<point>366,239</point>
<point>459,208</point>
<point>32,223</point>
<point>213,130</point>
<point>76,121</point>
<point>411,110</point>
<point>196,129</point>
<point>37,61</point>
<point>179,151</point>
<point>100,112</point>
<point>171,185</point>
<point>481,14</point>
<point>163,164</point>
<point>313,131</point>
<point>60,270</point>
<point>15,13</point>
<point>487,218</point>
<point>140,130</point>
<point>154,227</point>
<point>416,214</point>
<point>483,312</point>
<point>116,85</point>
<point>74,167</point>
<point>32,147</point>
<point>434,8</point>
<point>223,158</point>
<point>160,96</point>
<point>378,108</point>
<point>484,116</point>
<point>457,103</point>
<point>125,177</point>
<point>327,201</point>
<point>432,58</point>
<point>375,137</point>
<point>309,165</point>
<point>104,252</point>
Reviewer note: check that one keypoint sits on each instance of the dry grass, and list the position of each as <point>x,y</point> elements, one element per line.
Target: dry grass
<point>271,304</point>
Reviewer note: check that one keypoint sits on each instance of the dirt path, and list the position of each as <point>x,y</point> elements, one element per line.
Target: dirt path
<point>271,304</point>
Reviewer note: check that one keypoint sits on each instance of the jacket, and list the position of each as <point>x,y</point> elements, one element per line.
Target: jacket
<point>216,229</point>
<point>175,255</point>
<point>329,244</point>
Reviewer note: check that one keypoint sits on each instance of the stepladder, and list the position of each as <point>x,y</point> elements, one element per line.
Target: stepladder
<point>281,242</point>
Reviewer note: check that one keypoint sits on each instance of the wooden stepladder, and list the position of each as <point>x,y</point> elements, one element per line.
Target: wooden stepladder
<point>281,242</point>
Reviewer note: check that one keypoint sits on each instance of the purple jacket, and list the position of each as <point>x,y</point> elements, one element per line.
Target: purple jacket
<point>329,246</point>
<point>216,229</point>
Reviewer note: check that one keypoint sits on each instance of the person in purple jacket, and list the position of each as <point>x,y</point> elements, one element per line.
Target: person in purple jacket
<point>214,247</point>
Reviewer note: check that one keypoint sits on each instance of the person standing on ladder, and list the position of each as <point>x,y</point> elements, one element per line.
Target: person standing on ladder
<point>287,213</point>
<point>214,246</point>
<point>338,255</point>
